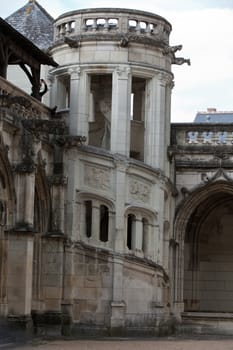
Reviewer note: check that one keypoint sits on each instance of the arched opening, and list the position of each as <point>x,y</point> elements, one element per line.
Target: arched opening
<point>208,258</point>
<point>130,230</point>
<point>104,220</point>
<point>145,235</point>
<point>88,218</point>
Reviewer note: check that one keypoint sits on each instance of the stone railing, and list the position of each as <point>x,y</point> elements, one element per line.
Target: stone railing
<point>202,134</point>
<point>112,21</point>
<point>19,103</point>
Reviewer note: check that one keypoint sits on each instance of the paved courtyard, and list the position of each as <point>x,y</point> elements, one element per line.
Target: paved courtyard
<point>129,344</point>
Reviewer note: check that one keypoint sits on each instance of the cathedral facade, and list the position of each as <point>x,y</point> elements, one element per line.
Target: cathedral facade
<point>113,220</point>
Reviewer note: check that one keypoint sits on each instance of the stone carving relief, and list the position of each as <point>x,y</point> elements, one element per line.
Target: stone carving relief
<point>139,190</point>
<point>97,178</point>
<point>220,174</point>
<point>20,106</point>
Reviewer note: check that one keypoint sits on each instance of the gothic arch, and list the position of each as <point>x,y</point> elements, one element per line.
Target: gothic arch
<point>189,221</point>
<point>7,219</point>
<point>7,184</point>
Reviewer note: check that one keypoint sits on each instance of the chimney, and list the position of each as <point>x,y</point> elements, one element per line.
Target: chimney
<point>211,110</point>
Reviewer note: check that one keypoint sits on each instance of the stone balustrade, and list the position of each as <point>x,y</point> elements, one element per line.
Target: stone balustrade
<point>202,134</point>
<point>114,21</point>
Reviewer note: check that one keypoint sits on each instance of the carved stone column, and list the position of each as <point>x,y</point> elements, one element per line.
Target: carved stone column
<point>79,95</point>
<point>52,86</point>
<point>25,184</point>
<point>155,122</point>
<point>147,240</point>
<point>57,189</point>
<point>21,239</point>
<point>120,208</point>
<point>137,235</point>
<point>121,103</point>
<point>95,229</point>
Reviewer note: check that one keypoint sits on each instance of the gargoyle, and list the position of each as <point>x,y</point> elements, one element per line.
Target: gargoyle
<point>171,50</point>
<point>124,40</point>
<point>74,43</point>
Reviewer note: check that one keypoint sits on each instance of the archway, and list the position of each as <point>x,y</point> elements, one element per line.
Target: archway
<point>204,259</point>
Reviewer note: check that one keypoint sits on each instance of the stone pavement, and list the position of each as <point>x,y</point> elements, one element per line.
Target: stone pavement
<point>130,344</point>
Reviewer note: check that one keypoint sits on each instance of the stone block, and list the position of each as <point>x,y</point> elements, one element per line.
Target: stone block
<point>53,292</point>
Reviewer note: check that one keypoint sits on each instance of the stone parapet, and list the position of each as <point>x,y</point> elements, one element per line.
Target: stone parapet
<point>114,21</point>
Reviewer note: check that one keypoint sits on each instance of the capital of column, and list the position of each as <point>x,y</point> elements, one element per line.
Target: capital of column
<point>123,72</point>
<point>165,80</point>
<point>50,78</point>
<point>74,72</point>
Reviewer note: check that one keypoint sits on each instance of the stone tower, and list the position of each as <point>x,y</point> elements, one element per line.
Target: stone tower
<point>113,89</point>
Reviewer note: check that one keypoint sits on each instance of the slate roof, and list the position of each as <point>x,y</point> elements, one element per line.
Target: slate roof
<point>214,117</point>
<point>34,23</point>
<point>26,45</point>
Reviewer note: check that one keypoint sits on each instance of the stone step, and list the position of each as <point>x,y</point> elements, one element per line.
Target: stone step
<point>206,323</point>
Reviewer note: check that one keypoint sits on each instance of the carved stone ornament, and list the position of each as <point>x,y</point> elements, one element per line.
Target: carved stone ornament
<point>74,141</point>
<point>185,192</point>
<point>28,164</point>
<point>139,190</point>
<point>54,127</point>
<point>220,174</point>
<point>7,100</point>
<point>124,42</point>
<point>97,178</point>
<point>19,105</point>
<point>57,180</point>
<point>73,42</point>
<point>171,50</point>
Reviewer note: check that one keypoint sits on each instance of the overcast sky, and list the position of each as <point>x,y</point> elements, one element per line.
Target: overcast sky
<point>203,27</point>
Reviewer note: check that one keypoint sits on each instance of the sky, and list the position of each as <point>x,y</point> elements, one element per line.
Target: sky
<point>205,30</point>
